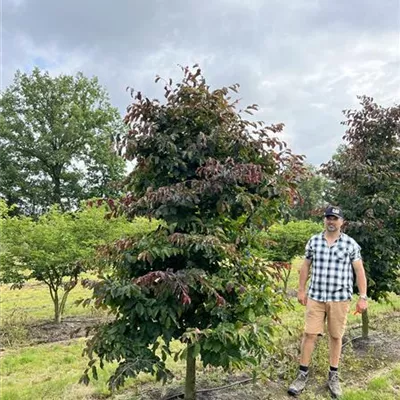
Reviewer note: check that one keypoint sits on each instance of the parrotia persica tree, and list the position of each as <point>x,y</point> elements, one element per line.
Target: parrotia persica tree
<point>56,139</point>
<point>366,173</point>
<point>214,178</point>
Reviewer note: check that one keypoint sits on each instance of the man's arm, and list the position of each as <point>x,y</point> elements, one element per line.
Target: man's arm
<point>361,280</point>
<point>303,278</point>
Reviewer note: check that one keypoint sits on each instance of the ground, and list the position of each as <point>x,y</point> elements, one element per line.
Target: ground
<point>383,347</point>
<point>50,332</point>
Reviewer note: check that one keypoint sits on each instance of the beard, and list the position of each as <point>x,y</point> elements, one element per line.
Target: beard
<point>331,228</point>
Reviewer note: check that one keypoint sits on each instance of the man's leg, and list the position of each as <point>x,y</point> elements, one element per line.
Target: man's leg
<point>315,318</point>
<point>307,348</point>
<point>335,350</point>
<point>337,318</point>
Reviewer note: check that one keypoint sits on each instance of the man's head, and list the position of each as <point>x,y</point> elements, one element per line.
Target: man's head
<point>333,219</point>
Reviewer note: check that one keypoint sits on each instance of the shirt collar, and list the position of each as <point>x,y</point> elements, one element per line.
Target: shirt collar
<point>322,235</point>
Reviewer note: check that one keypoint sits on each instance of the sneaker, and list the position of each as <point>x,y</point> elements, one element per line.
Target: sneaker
<point>298,384</point>
<point>334,385</point>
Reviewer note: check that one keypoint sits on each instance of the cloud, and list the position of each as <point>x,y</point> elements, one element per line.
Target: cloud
<point>302,61</point>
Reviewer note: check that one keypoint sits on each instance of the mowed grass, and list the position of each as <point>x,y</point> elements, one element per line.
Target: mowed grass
<point>52,371</point>
<point>383,387</point>
<point>33,302</point>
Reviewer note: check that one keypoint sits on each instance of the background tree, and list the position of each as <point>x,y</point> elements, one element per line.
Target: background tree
<point>366,173</point>
<point>56,139</point>
<point>214,178</point>
<point>57,248</point>
<point>312,190</point>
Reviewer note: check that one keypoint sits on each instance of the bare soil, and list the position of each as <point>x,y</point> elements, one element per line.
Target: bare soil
<point>50,332</point>
<point>69,328</point>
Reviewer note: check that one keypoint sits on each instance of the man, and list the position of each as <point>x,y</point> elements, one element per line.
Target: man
<point>333,256</point>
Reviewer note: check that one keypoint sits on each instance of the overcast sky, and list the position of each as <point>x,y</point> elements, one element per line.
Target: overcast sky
<point>302,61</point>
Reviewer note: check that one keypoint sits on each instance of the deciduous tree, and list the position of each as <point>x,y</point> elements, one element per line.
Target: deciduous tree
<point>56,139</point>
<point>215,178</point>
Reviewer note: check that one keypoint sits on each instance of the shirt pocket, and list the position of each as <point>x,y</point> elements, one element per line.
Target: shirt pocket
<point>342,254</point>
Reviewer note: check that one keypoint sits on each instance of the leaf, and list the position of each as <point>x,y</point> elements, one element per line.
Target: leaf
<point>139,309</point>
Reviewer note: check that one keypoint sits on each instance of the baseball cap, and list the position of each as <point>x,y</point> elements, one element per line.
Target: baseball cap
<point>333,211</point>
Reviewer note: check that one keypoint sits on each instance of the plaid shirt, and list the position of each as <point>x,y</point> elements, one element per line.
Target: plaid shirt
<point>331,268</point>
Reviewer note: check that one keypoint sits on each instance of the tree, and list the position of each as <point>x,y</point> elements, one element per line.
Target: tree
<point>312,192</point>
<point>366,173</point>
<point>56,248</point>
<point>215,179</point>
<point>56,139</point>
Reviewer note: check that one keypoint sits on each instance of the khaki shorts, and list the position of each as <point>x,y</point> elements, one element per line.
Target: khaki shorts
<point>334,311</point>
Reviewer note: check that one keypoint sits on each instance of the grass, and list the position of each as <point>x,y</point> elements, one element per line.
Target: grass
<point>34,302</point>
<point>48,372</point>
<point>384,387</point>
<point>52,371</point>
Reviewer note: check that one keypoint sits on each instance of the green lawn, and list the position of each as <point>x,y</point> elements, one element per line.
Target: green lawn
<point>48,372</point>
<point>33,302</point>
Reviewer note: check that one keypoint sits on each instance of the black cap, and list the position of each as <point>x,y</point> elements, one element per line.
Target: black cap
<point>334,212</point>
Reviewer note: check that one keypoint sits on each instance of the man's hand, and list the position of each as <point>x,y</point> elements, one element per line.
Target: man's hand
<point>361,306</point>
<point>302,297</point>
<point>303,277</point>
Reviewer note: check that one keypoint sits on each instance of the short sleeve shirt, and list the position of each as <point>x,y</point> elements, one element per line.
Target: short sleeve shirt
<point>331,267</point>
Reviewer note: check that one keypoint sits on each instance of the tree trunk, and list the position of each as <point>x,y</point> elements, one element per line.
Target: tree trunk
<point>57,191</point>
<point>190,384</point>
<point>365,324</point>
<point>57,311</point>
<point>286,280</point>
<point>67,288</point>
<point>63,301</point>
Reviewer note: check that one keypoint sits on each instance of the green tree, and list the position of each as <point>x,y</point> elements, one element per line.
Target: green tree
<point>366,173</point>
<point>56,248</point>
<point>312,191</point>
<point>215,179</point>
<point>56,142</point>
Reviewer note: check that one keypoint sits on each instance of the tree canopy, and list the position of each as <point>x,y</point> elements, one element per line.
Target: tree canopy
<point>215,178</point>
<point>56,142</point>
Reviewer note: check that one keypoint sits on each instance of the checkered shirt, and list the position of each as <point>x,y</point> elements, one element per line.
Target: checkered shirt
<point>331,267</point>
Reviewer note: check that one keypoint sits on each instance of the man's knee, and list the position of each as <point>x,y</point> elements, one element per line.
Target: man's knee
<point>310,337</point>
<point>337,336</point>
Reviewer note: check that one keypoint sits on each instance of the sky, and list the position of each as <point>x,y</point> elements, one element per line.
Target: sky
<point>301,61</point>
